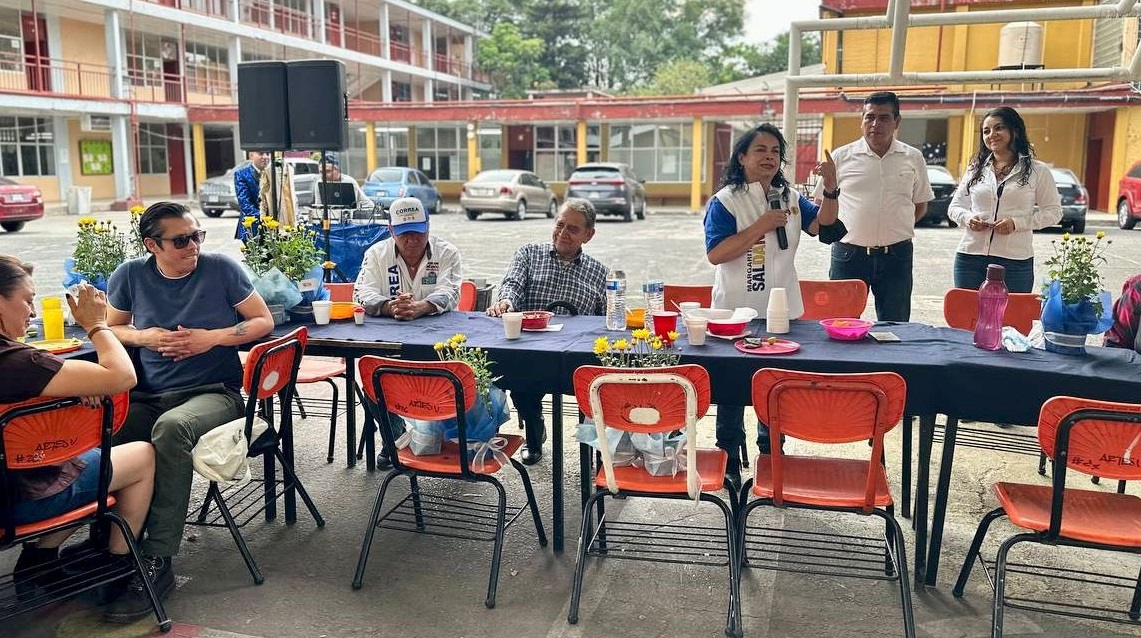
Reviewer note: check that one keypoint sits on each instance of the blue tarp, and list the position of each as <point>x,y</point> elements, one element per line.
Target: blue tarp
<point>349,242</point>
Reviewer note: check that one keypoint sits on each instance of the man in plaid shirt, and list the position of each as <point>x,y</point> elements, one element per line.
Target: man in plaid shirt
<point>1125,332</point>
<point>542,273</point>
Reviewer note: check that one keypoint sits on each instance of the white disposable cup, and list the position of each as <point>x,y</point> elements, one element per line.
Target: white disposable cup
<point>512,324</point>
<point>695,331</point>
<point>777,323</point>
<point>687,307</point>
<point>321,312</point>
<point>778,301</point>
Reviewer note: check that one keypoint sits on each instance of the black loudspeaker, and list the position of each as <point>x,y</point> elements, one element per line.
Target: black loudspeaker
<point>317,105</point>
<point>263,110</point>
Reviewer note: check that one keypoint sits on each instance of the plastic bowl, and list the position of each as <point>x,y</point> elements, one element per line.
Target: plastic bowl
<point>635,318</point>
<point>341,310</point>
<point>536,319</point>
<point>847,329</point>
<point>726,327</point>
<point>710,313</point>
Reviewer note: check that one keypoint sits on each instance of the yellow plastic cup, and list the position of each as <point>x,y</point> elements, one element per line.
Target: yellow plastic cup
<point>51,303</point>
<point>53,324</point>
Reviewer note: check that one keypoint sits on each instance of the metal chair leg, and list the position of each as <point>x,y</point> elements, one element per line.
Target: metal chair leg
<point>497,552</point>
<point>1135,605</point>
<point>370,531</point>
<point>164,622</point>
<point>580,563</point>
<point>904,582</point>
<point>300,406</point>
<point>1000,582</point>
<point>1041,464</point>
<point>973,552</point>
<point>531,502</point>
<point>1121,487</point>
<point>205,509</point>
<point>237,534</point>
<point>905,465</point>
<point>889,536</point>
<point>417,504</point>
<point>291,478</point>
<point>332,420</point>
<point>733,624</point>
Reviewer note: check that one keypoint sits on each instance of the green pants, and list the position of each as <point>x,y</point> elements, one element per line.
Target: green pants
<point>173,422</point>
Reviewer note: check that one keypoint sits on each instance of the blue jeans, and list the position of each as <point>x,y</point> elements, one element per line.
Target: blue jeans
<point>887,272</point>
<point>731,430</point>
<point>83,490</point>
<point>970,271</point>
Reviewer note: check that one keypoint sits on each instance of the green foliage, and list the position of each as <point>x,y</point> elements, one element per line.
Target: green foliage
<point>290,249</point>
<point>677,77</point>
<point>1075,263</point>
<point>100,247</point>
<point>513,61</point>
<point>455,349</point>
<point>740,61</point>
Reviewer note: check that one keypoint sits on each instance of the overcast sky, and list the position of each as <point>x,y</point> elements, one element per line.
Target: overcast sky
<point>765,19</point>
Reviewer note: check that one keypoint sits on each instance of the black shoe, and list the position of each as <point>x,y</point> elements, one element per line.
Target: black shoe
<point>534,451</point>
<point>134,603</point>
<point>31,570</point>
<point>733,472</point>
<point>383,462</point>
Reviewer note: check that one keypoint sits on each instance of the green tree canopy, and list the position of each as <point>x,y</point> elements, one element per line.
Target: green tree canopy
<point>514,62</point>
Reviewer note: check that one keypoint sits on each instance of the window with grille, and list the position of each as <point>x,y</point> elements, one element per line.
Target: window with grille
<point>441,152</point>
<point>556,150</point>
<point>207,69</point>
<point>26,146</point>
<point>152,149</point>
<point>657,152</point>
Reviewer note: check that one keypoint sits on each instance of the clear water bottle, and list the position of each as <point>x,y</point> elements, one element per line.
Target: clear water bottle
<point>616,300</point>
<point>654,290</point>
<point>992,308</point>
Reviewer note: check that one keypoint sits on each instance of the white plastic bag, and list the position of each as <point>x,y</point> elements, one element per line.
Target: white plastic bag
<point>220,454</point>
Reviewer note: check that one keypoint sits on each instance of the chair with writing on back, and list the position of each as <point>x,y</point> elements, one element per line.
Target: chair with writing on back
<point>49,431</point>
<point>1086,436</point>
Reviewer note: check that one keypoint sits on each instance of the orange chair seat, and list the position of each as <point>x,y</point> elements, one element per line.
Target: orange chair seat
<point>710,468</point>
<point>314,369</point>
<point>62,519</point>
<point>826,482</point>
<point>1092,516</point>
<point>448,460</point>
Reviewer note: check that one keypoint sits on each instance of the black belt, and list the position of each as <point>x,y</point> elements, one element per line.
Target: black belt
<point>879,250</point>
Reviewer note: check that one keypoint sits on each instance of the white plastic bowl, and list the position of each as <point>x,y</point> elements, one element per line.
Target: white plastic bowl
<point>710,313</point>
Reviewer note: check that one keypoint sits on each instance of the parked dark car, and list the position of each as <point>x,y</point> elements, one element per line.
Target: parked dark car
<point>944,185</point>
<point>1075,200</point>
<point>1129,198</point>
<point>613,188</point>
<point>510,192</point>
<point>389,183</point>
<point>19,204</point>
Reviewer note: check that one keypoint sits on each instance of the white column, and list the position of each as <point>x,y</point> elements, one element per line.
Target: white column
<point>429,90</point>
<point>272,17</point>
<point>116,55</point>
<point>235,10</point>
<point>385,49</point>
<point>61,137</point>
<point>239,154</point>
<point>469,55</point>
<point>386,88</point>
<point>319,14</point>
<point>55,53</point>
<point>188,161</point>
<point>426,46</point>
<point>122,154</point>
<point>233,57</point>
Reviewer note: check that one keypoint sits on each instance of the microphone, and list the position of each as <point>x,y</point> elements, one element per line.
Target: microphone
<point>775,204</point>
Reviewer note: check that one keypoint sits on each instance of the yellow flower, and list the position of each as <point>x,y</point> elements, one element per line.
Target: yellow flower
<point>137,211</point>
<point>656,343</point>
<point>1100,234</point>
<point>1065,237</point>
<point>272,224</point>
<point>459,337</point>
<point>641,334</point>
<point>288,229</point>
<point>329,265</point>
<point>621,345</point>
<point>601,345</point>
<point>249,222</point>
<point>439,346</point>
<point>672,335</point>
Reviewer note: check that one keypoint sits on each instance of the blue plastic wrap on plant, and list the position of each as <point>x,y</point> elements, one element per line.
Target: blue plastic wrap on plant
<point>1080,318</point>
<point>348,244</point>
<point>621,449</point>
<point>481,423</point>
<point>72,278</point>
<point>320,293</point>
<point>275,288</point>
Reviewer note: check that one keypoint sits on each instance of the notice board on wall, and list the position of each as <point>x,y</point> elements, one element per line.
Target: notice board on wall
<point>95,157</point>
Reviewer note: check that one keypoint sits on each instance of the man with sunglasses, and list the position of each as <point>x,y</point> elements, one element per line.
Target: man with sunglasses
<point>186,312</point>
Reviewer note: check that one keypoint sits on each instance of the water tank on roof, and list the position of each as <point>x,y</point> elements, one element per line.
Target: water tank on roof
<point>1020,46</point>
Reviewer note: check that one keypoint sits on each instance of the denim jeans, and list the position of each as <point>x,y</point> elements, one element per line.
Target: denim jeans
<point>970,271</point>
<point>731,430</point>
<point>887,274</point>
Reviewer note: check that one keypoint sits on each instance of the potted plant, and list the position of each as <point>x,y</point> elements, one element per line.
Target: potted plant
<point>1074,304</point>
<point>100,248</point>
<point>284,264</point>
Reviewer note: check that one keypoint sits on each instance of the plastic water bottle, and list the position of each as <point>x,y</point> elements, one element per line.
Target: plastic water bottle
<point>654,290</point>
<point>992,308</point>
<point>616,300</point>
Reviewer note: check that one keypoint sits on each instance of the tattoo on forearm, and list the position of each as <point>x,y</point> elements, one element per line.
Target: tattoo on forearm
<point>240,329</point>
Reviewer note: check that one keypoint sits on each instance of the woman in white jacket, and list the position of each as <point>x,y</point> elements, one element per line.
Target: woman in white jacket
<point>1004,197</point>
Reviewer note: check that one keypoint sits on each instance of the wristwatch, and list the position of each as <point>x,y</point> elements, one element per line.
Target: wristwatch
<point>832,194</point>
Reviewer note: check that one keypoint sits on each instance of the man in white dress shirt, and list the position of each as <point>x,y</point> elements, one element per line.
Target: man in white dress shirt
<point>883,190</point>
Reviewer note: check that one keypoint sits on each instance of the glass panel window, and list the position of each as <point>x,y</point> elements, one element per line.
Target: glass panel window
<point>490,148</point>
<point>144,59</point>
<point>441,152</point>
<point>401,91</point>
<point>152,149</point>
<point>353,158</point>
<point>26,146</point>
<point>391,145</point>
<point>658,152</point>
<point>11,40</point>
<point>207,69</point>
<point>556,150</point>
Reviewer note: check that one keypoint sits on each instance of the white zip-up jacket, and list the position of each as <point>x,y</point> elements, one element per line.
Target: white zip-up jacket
<point>1016,202</point>
<point>384,275</point>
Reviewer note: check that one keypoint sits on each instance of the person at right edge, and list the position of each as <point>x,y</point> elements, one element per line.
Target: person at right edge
<point>882,187</point>
<point>743,239</point>
<point>1005,196</point>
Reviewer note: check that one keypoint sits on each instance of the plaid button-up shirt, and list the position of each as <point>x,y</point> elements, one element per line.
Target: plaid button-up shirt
<point>537,277</point>
<point>1126,333</point>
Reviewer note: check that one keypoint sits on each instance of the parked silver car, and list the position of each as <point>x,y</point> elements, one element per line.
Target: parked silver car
<point>216,195</point>
<point>510,192</point>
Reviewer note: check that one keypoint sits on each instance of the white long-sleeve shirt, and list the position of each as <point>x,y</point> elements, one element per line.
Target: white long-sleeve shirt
<point>384,275</point>
<point>1016,202</point>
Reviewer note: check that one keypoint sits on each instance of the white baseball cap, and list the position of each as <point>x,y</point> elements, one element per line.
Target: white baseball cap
<point>407,214</point>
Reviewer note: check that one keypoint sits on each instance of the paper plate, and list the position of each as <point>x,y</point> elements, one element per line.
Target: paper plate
<point>781,346</point>
<point>57,346</point>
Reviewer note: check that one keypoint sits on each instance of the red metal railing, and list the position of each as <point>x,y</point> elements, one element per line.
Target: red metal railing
<point>362,41</point>
<point>212,8</point>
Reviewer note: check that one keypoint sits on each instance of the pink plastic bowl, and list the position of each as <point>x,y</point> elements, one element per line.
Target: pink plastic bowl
<point>536,319</point>
<point>726,327</point>
<point>847,329</point>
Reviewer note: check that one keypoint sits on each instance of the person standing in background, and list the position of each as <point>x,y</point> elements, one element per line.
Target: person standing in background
<point>1005,196</point>
<point>247,188</point>
<point>883,190</point>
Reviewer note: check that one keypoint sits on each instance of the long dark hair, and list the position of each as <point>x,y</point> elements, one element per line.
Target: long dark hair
<point>734,176</point>
<point>13,272</point>
<point>1019,145</point>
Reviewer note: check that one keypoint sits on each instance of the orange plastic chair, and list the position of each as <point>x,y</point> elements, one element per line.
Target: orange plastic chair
<point>676,293</point>
<point>1085,436</point>
<point>653,401</point>
<point>830,299</point>
<point>269,371</point>
<point>340,291</point>
<point>827,409</point>
<point>467,297</point>
<point>434,391</point>
<point>961,308</point>
<point>30,437</point>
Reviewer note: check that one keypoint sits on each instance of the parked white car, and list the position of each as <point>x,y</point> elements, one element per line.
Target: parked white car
<point>216,195</point>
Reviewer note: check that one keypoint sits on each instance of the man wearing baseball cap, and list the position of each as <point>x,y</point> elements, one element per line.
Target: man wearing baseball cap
<point>410,274</point>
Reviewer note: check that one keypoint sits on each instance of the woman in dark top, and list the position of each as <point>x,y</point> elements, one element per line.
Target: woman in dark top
<point>29,373</point>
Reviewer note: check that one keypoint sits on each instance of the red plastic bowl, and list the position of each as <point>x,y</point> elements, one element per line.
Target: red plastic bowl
<point>726,327</point>
<point>536,319</point>
<point>847,329</point>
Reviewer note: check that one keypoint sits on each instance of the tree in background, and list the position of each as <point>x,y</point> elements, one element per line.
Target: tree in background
<point>677,77</point>
<point>740,61</point>
<point>514,62</point>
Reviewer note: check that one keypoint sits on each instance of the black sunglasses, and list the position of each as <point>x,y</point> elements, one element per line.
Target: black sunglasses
<point>182,241</point>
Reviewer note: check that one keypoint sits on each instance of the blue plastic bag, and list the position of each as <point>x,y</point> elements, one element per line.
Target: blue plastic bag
<point>480,422</point>
<point>1073,319</point>
<point>348,243</point>
<point>275,288</point>
<point>72,278</point>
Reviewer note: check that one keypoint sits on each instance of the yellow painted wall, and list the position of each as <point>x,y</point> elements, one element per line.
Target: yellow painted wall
<point>1126,146</point>
<point>83,42</point>
<point>49,187</point>
<point>1058,139</point>
<point>154,185</point>
<point>955,145</point>
<point>844,130</point>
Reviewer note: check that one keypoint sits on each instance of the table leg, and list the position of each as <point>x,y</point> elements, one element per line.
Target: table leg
<point>287,452</point>
<point>908,421</point>
<point>557,470</point>
<point>938,514</point>
<point>351,412</point>
<point>922,479</point>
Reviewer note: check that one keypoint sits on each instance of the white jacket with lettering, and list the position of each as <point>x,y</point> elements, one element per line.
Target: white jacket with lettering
<point>384,275</point>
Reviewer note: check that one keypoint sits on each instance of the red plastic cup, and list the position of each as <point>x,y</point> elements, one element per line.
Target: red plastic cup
<point>665,321</point>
